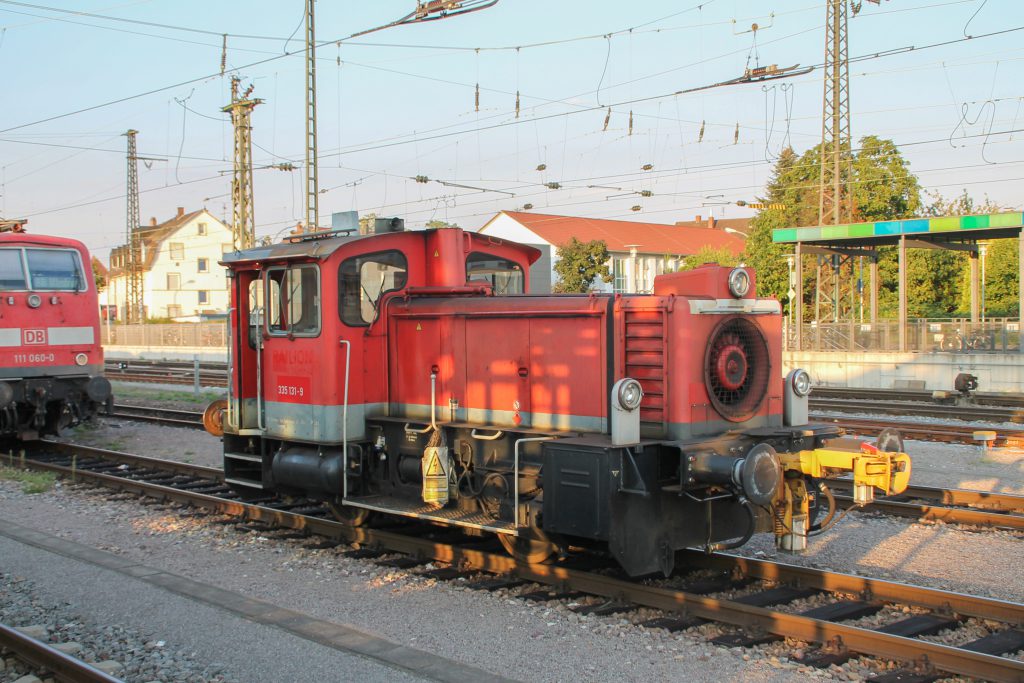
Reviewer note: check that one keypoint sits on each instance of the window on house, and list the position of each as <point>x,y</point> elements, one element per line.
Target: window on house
<point>506,277</point>
<point>177,250</point>
<point>204,296</point>
<point>364,279</point>
<point>203,265</point>
<point>174,311</point>
<point>619,269</point>
<point>202,228</point>
<point>293,300</point>
<point>173,281</point>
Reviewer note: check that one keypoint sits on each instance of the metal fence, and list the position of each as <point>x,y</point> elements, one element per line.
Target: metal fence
<point>998,335</point>
<point>210,335</point>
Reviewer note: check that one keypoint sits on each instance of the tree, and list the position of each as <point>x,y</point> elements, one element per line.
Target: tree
<point>434,224</point>
<point>709,254</point>
<point>99,274</point>
<point>883,188</point>
<point>579,264</point>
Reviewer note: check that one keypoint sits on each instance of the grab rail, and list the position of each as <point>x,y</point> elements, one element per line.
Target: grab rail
<point>515,474</point>
<point>489,437</point>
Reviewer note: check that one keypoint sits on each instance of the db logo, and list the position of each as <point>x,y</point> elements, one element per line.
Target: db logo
<point>34,337</point>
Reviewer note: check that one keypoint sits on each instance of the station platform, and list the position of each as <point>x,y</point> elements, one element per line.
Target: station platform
<point>996,372</point>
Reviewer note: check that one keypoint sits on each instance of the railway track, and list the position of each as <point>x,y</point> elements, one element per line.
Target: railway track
<point>55,663</point>
<point>953,506</point>
<point>914,396</point>
<point>773,602</point>
<point>961,413</point>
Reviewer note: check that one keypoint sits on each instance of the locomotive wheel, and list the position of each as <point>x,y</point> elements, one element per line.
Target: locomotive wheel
<point>347,514</point>
<point>528,549</point>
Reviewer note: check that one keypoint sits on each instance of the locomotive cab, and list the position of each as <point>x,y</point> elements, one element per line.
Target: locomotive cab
<point>410,373</point>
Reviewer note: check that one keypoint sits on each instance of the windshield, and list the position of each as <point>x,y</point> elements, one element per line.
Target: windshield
<point>506,277</point>
<point>55,270</point>
<point>12,273</point>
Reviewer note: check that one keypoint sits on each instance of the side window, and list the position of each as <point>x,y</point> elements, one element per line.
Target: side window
<point>173,281</point>
<point>363,279</point>
<point>203,265</point>
<point>505,276</point>
<point>293,300</point>
<point>177,250</point>
<point>255,312</point>
<point>12,272</point>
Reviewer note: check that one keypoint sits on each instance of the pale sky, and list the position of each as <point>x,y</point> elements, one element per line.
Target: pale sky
<point>400,103</point>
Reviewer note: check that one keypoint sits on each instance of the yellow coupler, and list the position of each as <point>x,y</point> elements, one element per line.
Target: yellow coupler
<point>871,468</point>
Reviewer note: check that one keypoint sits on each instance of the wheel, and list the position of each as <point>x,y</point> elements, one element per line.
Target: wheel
<point>348,514</point>
<point>528,549</point>
<point>951,343</point>
<point>890,441</point>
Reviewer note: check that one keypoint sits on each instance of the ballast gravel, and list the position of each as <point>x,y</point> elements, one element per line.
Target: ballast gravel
<point>519,639</point>
<point>118,650</point>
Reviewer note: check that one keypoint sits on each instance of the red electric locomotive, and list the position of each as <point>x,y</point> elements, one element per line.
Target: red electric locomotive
<point>51,361</point>
<point>409,373</point>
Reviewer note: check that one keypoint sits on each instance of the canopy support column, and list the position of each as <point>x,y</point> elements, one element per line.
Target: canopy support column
<point>798,303</point>
<point>903,293</point>
<point>975,299</point>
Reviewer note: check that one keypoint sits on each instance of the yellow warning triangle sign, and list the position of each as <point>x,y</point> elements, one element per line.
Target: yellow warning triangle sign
<point>434,467</point>
<point>418,327</point>
<point>436,253</point>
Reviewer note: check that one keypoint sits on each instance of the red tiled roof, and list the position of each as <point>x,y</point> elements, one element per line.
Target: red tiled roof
<point>618,236</point>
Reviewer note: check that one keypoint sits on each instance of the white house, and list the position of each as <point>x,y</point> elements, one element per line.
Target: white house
<point>639,251</point>
<point>181,278</point>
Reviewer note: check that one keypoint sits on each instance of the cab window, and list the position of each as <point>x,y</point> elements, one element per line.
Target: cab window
<point>12,271</point>
<point>293,301</point>
<point>505,276</point>
<point>255,312</point>
<point>55,270</point>
<point>362,281</point>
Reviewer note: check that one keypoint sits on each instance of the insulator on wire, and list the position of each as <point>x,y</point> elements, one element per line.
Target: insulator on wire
<point>630,121</point>
<point>635,207</point>
<point>478,97</point>
<point>223,54</point>
<point>607,119</point>
<point>517,104</point>
<point>553,186</point>
<point>527,206</point>
<point>647,167</point>
<point>700,135</point>
<point>646,193</point>
<point>736,134</point>
<point>542,167</point>
<point>422,179</point>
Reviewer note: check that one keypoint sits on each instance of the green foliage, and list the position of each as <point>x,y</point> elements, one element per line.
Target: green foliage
<point>97,274</point>
<point>579,264</point>
<point>434,224</point>
<point>1002,272</point>
<point>31,482</point>
<point>883,188</point>
<point>709,254</point>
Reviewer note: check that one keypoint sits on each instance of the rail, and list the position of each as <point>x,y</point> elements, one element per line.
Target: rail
<point>679,601</point>
<point>62,666</point>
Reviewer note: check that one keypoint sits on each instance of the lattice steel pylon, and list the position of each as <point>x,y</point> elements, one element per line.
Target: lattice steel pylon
<point>243,221</point>
<point>312,186</point>
<point>134,312</point>
<point>835,190</point>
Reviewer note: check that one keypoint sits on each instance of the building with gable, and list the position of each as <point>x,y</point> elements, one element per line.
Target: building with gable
<point>639,251</point>
<point>181,278</point>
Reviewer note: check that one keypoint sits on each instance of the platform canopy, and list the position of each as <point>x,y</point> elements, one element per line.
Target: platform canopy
<point>881,233</point>
<point>861,239</point>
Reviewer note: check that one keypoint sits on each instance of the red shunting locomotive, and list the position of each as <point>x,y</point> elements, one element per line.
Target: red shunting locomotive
<point>51,361</point>
<point>409,373</point>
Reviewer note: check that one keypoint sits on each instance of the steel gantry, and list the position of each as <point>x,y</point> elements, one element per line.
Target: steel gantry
<point>243,222</point>
<point>133,263</point>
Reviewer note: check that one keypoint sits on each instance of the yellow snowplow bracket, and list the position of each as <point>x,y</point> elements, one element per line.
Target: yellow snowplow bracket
<point>889,472</point>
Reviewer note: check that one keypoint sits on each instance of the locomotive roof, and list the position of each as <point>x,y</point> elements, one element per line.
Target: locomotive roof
<point>312,247</point>
<point>30,239</point>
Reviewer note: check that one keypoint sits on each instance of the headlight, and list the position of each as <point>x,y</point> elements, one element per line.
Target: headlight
<point>81,359</point>
<point>801,383</point>
<point>34,301</point>
<point>630,394</point>
<point>739,282</point>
